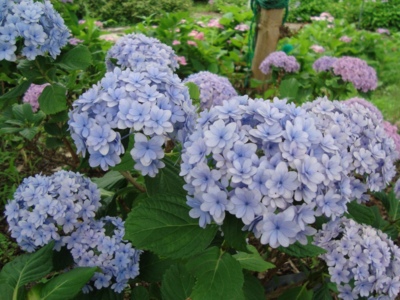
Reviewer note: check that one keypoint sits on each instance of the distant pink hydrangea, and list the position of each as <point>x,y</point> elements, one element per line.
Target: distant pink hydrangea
<point>215,23</point>
<point>383,31</point>
<point>192,43</point>
<point>181,60</point>
<point>325,16</point>
<point>324,63</point>
<point>201,23</point>
<point>356,71</point>
<point>32,95</point>
<point>392,131</point>
<point>176,42</point>
<point>346,39</point>
<point>242,27</point>
<point>197,35</point>
<point>368,105</point>
<point>317,48</point>
<point>279,59</point>
<point>74,41</point>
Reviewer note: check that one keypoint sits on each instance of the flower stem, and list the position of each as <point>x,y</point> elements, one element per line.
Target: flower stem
<point>132,180</point>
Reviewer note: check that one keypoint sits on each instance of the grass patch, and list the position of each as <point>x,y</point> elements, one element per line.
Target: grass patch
<point>388,102</point>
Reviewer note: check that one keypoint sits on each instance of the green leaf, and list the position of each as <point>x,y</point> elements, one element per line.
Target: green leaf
<point>322,293</point>
<point>52,129</point>
<point>8,130</point>
<point>390,202</point>
<point>27,268</point>
<point>22,112</point>
<point>16,92</point>
<point>218,276</point>
<point>299,250</point>
<point>162,224</point>
<point>140,293</point>
<point>167,181</point>
<point>109,180</point>
<point>78,58</point>
<point>67,285</point>
<point>177,283</point>
<point>53,99</point>
<point>252,288</point>
<point>253,261</point>
<point>29,133</point>
<point>298,293</point>
<point>29,69</point>
<point>289,88</point>
<point>360,213</point>
<point>233,233</point>
<point>194,91</point>
<point>53,143</point>
<point>127,162</point>
<point>152,267</point>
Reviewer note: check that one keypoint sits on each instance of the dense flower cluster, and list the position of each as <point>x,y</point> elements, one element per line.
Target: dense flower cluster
<point>345,39</point>
<point>373,109</point>
<point>356,71</point>
<point>325,16</point>
<point>396,189</point>
<point>361,260</point>
<point>279,59</point>
<point>151,102</point>
<point>363,147</point>
<point>31,96</point>
<point>270,164</point>
<point>48,208</point>
<point>383,31</point>
<point>317,48</point>
<point>393,132</point>
<point>324,63</point>
<point>41,28</point>
<point>136,51</point>
<point>92,245</point>
<point>213,88</point>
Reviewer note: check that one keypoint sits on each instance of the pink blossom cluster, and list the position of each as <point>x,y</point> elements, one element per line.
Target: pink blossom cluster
<point>74,41</point>
<point>197,35</point>
<point>32,95</point>
<point>317,48</point>
<point>356,71</point>
<point>345,39</point>
<point>215,23</point>
<point>325,16</point>
<point>393,132</point>
<point>181,60</point>
<point>242,27</point>
<point>383,31</point>
<point>279,59</point>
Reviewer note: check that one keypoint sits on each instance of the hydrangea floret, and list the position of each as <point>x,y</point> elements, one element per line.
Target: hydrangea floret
<point>361,101</point>
<point>48,208</point>
<point>37,24</point>
<point>324,63</point>
<point>213,88</point>
<point>151,103</point>
<point>279,59</point>
<point>136,51</point>
<point>361,260</point>
<point>356,71</point>
<point>396,189</point>
<point>32,94</point>
<point>269,164</point>
<point>91,245</point>
<point>393,131</point>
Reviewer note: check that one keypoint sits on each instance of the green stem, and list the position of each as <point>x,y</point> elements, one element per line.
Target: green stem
<point>132,180</point>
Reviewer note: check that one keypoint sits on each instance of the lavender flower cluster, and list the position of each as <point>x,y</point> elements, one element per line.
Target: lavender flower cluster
<point>91,246</point>
<point>38,24</point>
<point>136,50</point>
<point>62,208</point>
<point>152,103</point>
<point>368,105</point>
<point>393,132</point>
<point>324,63</point>
<point>356,71</point>
<point>396,189</point>
<point>365,149</point>
<point>213,88</point>
<point>361,260</point>
<point>276,166</point>
<point>279,59</point>
<point>31,96</point>
<point>47,208</point>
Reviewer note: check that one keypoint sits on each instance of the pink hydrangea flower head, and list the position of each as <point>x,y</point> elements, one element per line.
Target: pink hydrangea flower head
<point>356,71</point>
<point>366,104</point>
<point>281,60</point>
<point>74,41</point>
<point>176,42</point>
<point>32,95</point>
<point>197,35</point>
<point>393,132</point>
<point>345,39</point>
<point>324,63</point>
<point>99,24</point>
<point>317,48</point>
<point>215,23</point>
<point>181,60</point>
<point>242,27</point>
<point>192,43</point>
<point>383,31</point>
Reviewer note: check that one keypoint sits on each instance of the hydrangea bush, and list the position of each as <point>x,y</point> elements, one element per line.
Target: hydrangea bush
<point>37,24</point>
<point>281,60</point>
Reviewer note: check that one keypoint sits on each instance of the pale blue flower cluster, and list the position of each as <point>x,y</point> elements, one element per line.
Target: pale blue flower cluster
<point>136,50</point>
<point>213,88</point>
<point>361,260</point>
<point>91,245</point>
<point>357,134</point>
<point>41,28</point>
<point>151,102</point>
<point>267,163</point>
<point>48,208</point>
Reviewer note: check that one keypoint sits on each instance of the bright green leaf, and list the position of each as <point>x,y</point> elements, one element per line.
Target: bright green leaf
<point>253,261</point>
<point>289,88</point>
<point>360,213</point>
<point>29,133</point>
<point>299,250</point>
<point>162,224</point>
<point>53,99</point>
<point>218,276</point>
<point>78,58</point>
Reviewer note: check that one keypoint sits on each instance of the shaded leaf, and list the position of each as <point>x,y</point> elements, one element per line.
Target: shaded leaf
<point>78,58</point>
<point>177,283</point>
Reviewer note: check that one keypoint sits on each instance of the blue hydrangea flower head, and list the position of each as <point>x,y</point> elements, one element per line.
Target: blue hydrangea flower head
<point>48,208</point>
<point>136,50</point>
<point>213,88</point>
<point>37,24</point>
<point>92,245</point>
